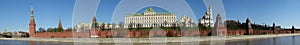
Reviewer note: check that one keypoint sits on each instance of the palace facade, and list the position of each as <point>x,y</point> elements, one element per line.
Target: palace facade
<point>150,18</point>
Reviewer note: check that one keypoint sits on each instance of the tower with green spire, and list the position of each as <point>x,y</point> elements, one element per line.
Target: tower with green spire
<point>60,28</point>
<point>94,32</point>
<point>32,24</point>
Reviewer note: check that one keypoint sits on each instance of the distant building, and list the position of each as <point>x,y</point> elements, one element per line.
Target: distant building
<point>61,34</point>
<point>150,18</point>
<point>84,27</point>
<point>207,19</point>
<point>186,22</point>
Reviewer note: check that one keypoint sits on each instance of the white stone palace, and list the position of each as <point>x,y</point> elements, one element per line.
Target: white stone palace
<point>150,18</point>
<point>207,19</point>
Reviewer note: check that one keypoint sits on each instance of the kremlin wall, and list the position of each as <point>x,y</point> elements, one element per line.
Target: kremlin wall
<point>96,33</point>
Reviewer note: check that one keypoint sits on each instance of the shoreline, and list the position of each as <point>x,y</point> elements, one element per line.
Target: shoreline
<point>152,40</point>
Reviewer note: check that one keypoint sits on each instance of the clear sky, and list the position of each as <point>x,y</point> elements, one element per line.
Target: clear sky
<point>283,12</point>
<point>14,14</point>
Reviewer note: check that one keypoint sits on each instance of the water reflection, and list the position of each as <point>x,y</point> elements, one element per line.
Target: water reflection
<point>294,40</point>
<point>290,40</point>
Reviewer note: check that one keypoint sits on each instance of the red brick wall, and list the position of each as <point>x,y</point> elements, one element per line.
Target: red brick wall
<point>61,35</point>
<point>236,32</point>
<point>147,33</point>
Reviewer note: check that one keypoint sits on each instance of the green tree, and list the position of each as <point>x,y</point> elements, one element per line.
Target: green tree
<point>51,29</point>
<point>59,30</point>
<point>41,29</point>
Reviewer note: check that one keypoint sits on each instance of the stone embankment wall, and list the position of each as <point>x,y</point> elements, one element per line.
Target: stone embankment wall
<point>180,33</point>
<point>150,33</point>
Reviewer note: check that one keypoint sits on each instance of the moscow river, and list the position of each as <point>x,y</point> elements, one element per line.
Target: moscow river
<point>289,40</point>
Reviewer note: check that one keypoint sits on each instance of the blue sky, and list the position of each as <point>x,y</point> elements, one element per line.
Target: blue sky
<point>283,12</point>
<point>14,14</point>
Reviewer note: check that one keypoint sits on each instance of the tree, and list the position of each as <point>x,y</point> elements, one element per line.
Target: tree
<point>165,24</point>
<point>139,26</point>
<point>51,29</point>
<point>234,25</point>
<point>68,29</point>
<point>42,29</point>
<point>59,30</point>
<point>174,26</point>
<point>130,26</point>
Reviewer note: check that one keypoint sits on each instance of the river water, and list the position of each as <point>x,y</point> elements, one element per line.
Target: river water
<point>289,40</point>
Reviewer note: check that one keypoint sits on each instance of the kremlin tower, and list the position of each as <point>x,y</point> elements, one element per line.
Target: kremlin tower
<point>60,28</point>
<point>95,30</point>
<point>59,23</point>
<point>32,24</point>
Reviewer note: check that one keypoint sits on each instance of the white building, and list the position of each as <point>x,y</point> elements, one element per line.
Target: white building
<point>150,18</point>
<point>207,19</point>
<point>82,27</point>
<point>186,22</point>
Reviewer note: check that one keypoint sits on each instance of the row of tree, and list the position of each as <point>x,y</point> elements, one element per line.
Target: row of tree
<point>53,30</point>
<point>236,25</point>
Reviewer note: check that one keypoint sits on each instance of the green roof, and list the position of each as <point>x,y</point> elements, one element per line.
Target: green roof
<point>149,9</point>
<point>157,13</point>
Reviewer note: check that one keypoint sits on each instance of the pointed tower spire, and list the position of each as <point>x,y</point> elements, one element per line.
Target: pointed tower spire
<point>60,28</point>
<point>94,23</point>
<point>219,18</point>
<point>210,7</point>
<point>210,11</point>
<point>59,19</point>
<point>274,28</point>
<point>59,23</point>
<point>95,31</point>
<point>248,23</point>
<point>249,29</point>
<point>32,24</point>
<point>94,19</point>
<point>293,29</point>
<point>32,11</point>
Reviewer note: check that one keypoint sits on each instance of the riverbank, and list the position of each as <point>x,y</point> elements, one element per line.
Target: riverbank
<point>152,40</point>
